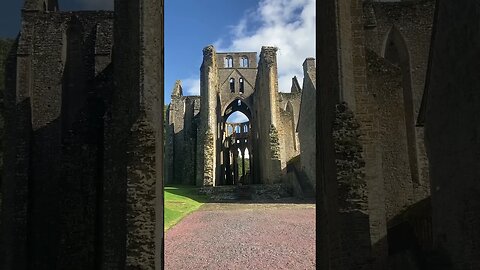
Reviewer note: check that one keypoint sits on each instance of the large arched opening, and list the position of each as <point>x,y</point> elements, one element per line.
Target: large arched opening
<point>236,145</point>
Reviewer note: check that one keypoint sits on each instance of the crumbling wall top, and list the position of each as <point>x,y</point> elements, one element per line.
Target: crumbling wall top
<point>268,55</point>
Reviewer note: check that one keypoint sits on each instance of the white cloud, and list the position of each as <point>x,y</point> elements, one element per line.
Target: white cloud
<point>97,4</point>
<point>286,24</point>
<point>191,86</point>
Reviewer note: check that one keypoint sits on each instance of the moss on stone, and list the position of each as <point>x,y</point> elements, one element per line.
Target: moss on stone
<point>274,142</point>
<point>349,160</point>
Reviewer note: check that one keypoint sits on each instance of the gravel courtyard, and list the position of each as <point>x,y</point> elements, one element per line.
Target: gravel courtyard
<point>243,236</point>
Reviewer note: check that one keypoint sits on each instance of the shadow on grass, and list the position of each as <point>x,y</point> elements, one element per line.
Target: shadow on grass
<point>190,192</point>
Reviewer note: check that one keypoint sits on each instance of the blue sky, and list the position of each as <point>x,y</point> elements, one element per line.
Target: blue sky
<point>190,25</point>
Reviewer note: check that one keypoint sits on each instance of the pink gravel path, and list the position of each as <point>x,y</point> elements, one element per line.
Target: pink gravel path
<point>243,236</point>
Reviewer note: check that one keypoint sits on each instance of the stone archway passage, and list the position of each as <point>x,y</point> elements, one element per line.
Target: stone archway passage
<point>236,144</point>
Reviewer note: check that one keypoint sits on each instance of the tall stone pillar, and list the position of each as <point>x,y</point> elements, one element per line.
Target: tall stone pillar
<point>452,134</point>
<point>266,102</point>
<point>17,178</point>
<point>208,116</point>
<point>133,189</point>
<point>16,168</point>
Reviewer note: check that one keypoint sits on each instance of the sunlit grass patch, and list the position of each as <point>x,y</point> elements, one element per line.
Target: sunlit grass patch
<point>179,202</point>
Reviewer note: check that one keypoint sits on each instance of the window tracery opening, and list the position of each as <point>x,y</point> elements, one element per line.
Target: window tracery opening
<point>244,62</point>
<point>228,62</point>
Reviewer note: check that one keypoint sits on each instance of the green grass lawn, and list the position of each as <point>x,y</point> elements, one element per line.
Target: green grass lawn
<point>179,202</point>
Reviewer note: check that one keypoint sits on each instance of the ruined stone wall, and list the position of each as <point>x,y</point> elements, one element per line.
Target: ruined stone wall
<point>287,135</point>
<point>182,121</point>
<point>385,83</point>
<point>289,108</point>
<point>451,127</point>
<point>364,107</point>
<point>176,120</point>
<point>352,190</point>
<point>294,99</point>
<point>306,123</point>
<point>57,152</point>
<point>413,20</point>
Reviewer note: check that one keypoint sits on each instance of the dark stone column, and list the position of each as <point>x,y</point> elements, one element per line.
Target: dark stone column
<point>134,157</point>
<point>452,129</point>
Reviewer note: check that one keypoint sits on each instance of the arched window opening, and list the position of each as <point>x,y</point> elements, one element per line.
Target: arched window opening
<point>232,85</point>
<point>228,62</point>
<point>242,86</point>
<point>244,62</point>
<point>245,128</point>
<point>239,102</point>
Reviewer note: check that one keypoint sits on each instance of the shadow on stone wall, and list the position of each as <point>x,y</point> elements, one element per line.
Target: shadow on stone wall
<point>409,239</point>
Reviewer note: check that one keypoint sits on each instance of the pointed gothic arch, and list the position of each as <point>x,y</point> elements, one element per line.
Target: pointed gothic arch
<point>395,50</point>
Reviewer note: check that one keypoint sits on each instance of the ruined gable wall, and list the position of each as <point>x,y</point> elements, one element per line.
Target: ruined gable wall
<point>414,20</point>
<point>236,72</point>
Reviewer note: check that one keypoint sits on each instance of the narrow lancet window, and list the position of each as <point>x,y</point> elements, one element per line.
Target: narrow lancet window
<point>244,62</point>
<point>242,86</point>
<point>232,85</point>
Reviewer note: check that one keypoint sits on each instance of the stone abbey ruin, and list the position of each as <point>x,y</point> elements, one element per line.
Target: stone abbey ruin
<point>207,150</point>
<point>389,142</point>
<point>82,183</point>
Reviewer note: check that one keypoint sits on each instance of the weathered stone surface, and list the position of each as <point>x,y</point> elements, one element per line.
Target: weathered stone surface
<point>84,151</point>
<point>374,56</point>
